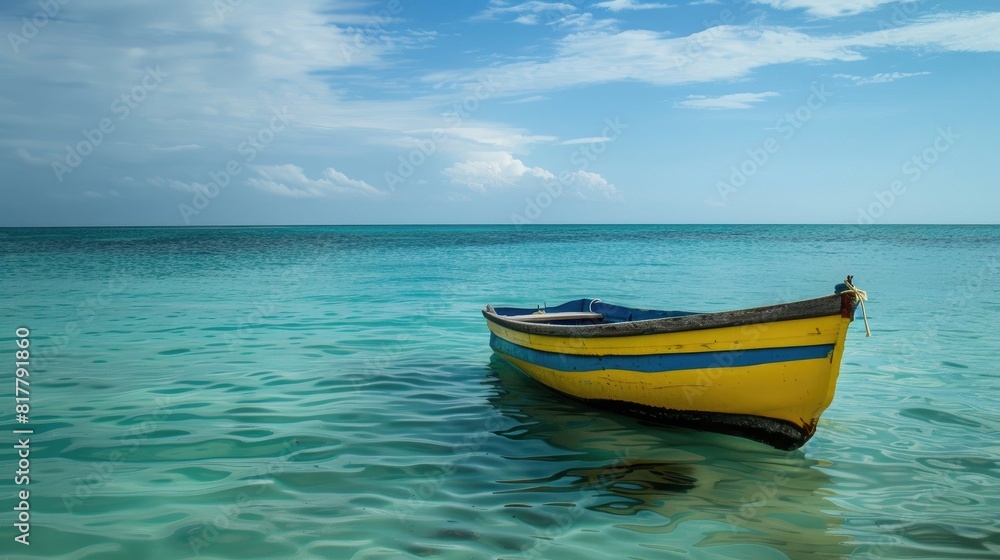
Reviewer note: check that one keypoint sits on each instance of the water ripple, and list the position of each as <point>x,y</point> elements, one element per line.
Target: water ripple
<point>329,393</point>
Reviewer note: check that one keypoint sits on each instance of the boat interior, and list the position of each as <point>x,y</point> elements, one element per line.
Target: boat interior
<point>582,312</point>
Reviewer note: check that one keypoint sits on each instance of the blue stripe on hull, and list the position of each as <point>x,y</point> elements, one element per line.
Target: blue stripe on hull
<point>652,363</point>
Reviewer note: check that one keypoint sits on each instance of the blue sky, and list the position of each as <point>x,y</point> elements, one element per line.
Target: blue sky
<point>198,112</point>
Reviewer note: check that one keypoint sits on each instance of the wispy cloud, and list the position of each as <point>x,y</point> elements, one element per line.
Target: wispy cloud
<point>882,78</point>
<point>529,99</point>
<point>221,91</point>
<point>212,86</point>
<point>585,140</point>
<point>358,78</point>
<point>183,186</point>
<point>560,15</point>
<point>26,157</point>
<point>527,12</point>
<point>178,148</point>
<point>730,101</point>
<point>584,22</point>
<point>290,180</point>
<point>724,53</point>
<point>827,8</point>
<point>622,5</point>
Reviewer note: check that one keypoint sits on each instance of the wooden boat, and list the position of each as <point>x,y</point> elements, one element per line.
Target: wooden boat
<point>764,373</point>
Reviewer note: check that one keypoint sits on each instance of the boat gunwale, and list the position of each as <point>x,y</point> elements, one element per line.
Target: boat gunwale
<point>832,304</point>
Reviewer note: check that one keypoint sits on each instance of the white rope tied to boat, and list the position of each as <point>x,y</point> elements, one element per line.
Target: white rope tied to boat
<point>860,296</point>
<point>592,302</point>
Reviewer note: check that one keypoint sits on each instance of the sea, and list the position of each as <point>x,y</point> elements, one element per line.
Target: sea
<point>330,393</point>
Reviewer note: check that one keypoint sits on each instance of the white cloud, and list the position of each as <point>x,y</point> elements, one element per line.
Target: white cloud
<point>559,15</point>
<point>720,53</point>
<point>881,78</point>
<point>501,170</point>
<point>585,183</point>
<point>178,148</point>
<point>527,12</point>
<point>730,101</point>
<point>222,77</point>
<point>225,77</point>
<point>192,187</point>
<point>496,136</point>
<point>290,180</point>
<point>827,8</point>
<point>621,5</point>
<point>584,22</point>
<point>227,74</point>
<point>530,99</point>
<point>587,140</point>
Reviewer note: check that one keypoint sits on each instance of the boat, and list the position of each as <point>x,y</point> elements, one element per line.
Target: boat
<point>763,373</point>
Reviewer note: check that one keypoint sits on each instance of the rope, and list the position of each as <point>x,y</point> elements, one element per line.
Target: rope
<point>860,296</point>
<point>591,306</point>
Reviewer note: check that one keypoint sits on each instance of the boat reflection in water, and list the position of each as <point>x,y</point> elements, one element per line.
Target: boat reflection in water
<point>668,489</point>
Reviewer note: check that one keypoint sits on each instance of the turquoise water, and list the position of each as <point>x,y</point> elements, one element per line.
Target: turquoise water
<point>321,392</point>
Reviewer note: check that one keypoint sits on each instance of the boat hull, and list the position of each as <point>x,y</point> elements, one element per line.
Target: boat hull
<point>766,373</point>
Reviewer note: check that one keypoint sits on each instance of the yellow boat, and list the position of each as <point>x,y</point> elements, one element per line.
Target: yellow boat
<point>764,373</point>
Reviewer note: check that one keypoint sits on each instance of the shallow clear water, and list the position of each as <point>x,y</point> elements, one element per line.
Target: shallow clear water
<point>330,393</point>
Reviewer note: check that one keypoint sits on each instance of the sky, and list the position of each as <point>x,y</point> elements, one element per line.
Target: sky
<point>243,112</point>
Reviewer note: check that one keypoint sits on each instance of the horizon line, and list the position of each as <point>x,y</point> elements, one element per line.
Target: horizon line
<point>515,226</point>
